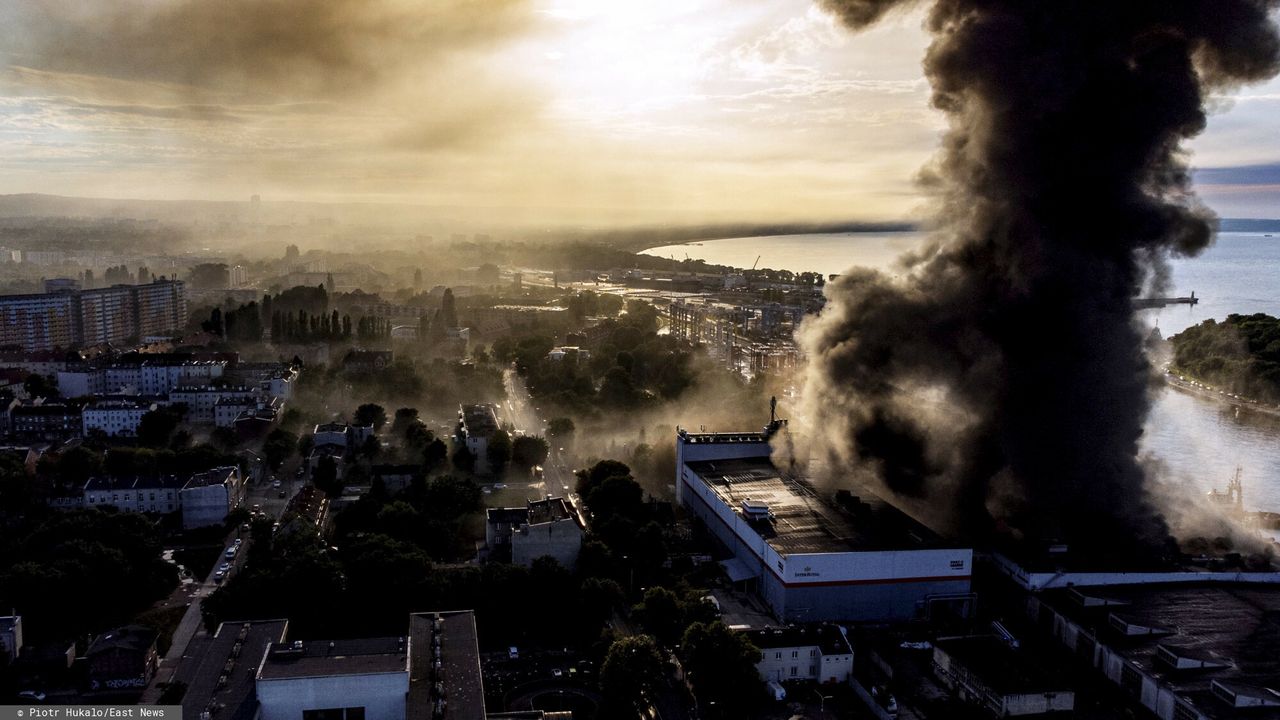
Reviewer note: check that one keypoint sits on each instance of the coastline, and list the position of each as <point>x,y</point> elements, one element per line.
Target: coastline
<point>1202,391</point>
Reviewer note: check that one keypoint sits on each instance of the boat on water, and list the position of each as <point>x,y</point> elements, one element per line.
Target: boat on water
<point>1231,501</point>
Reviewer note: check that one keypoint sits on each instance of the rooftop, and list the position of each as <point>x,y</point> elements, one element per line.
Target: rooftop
<point>479,419</point>
<point>549,510</point>
<point>216,476</point>
<point>333,658</point>
<point>458,673</point>
<point>130,637</point>
<point>1223,632</point>
<point>999,666</point>
<point>827,638</point>
<point>217,673</point>
<point>802,521</point>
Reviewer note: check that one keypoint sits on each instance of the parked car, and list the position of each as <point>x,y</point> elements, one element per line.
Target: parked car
<point>231,551</point>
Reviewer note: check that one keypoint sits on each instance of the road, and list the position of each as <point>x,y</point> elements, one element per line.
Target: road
<point>188,637</point>
<point>191,621</point>
<point>520,411</point>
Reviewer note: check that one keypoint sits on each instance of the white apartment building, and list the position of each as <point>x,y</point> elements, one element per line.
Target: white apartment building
<point>821,653</point>
<point>116,418</point>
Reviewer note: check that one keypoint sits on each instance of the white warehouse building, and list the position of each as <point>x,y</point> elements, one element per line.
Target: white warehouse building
<point>810,559</point>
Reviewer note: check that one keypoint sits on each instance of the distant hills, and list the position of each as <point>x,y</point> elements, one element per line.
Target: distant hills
<point>41,205</point>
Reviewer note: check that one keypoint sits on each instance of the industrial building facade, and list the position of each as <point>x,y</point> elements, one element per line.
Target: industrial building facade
<point>808,559</point>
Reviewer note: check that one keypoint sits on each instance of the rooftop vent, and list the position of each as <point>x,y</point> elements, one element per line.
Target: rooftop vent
<point>1243,696</point>
<point>755,509</point>
<point>1185,659</point>
<point>1132,628</point>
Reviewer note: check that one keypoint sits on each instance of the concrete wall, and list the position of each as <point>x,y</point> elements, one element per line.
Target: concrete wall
<point>382,695</point>
<point>202,506</point>
<point>561,540</point>
<point>809,662</point>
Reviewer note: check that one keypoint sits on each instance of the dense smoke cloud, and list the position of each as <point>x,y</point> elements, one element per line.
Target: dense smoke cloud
<point>1002,378</point>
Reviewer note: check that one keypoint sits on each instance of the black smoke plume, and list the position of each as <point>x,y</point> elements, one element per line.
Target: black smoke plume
<point>1001,380</point>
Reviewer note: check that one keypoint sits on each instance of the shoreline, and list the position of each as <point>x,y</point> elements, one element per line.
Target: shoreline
<point>1171,380</point>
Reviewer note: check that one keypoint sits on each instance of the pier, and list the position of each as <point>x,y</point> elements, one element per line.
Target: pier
<point>1159,302</point>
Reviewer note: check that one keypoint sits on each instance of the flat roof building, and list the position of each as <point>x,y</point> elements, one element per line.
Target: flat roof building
<point>444,667</point>
<point>1184,652</point>
<point>365,679</point>
<point>809,559</point>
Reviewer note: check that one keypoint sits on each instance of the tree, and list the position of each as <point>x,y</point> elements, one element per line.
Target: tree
<point>37,385</point>
<point>661,614</point>
<point>721,666</point>
<point>529,450</point>
<point>632,667</point>
<point>560,428</point>
<point>404,418</point>
<point>498,452</point>
<point>371,414</point>
<point>278,446</point>
<point>157,426</point>
<point>325,477</point>
<point>77,465</point>
<point>598,473</point>
<point>434,455</point>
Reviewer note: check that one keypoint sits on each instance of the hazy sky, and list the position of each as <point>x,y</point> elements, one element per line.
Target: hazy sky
<point>581,110</point>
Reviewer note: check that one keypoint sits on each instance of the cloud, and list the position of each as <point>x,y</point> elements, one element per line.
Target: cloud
<point>279,47</point>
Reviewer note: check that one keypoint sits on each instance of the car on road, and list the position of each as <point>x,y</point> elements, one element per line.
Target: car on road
<point>217,576</point>
<point>282,494</point>
<point>499,486</point>
<point>231,552</point>
<point>276,483</point>
<point>556,672</point>
<point>238,541</point>
<point>225,567</point>
<point>32,695</point>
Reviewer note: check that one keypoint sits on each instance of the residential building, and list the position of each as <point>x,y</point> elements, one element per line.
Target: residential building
<point>258,420</point>
<point>477,423</point>
<point>76,318</point>
<point>118,417</point>
<point>809,556</point>
<point>366,360</point>
<point>984,670</point>
<point>123,659</point>
<point>227,409</point>
<point>39,322</point>
<point>543,528</point>
<point>38,421</point>
<point>577,354</point>
<point>821,653</point>
<point>332,434</point>
<point>10,637</point>
<point>396,477</point>
<point>239,276</point>
<point>153,494</point>
<point>208,496</point>
<point>202,401</point>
